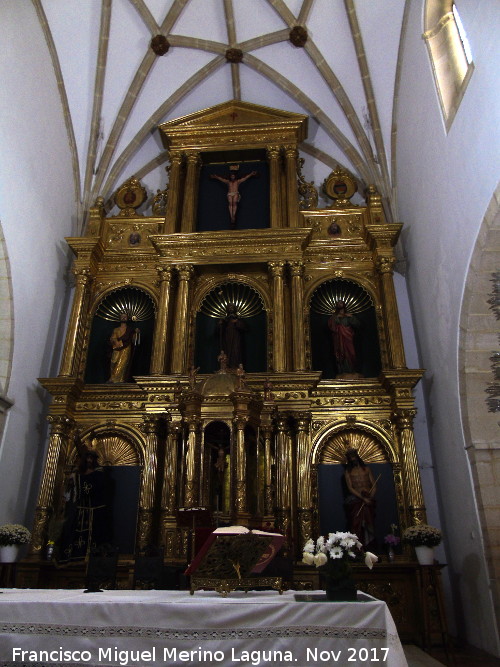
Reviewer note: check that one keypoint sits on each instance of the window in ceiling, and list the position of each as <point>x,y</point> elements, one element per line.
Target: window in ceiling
<point>450,54</point>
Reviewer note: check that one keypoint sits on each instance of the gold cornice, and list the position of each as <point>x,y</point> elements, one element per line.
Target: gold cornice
<point>383,236</point>
<point>401,378</point>
<point>232,124</point>
<point>87,249</point>
<point>243,246</point>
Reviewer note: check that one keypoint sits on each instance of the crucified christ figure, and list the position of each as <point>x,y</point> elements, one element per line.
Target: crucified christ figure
<point>233,195</point>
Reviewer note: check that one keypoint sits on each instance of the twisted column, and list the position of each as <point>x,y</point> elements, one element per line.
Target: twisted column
<point>303,477</point>
<point>168,493</point>
<point>69,364</point>
<point>190,491</point>
<point>158,355</point>
<point>181,319</point>
<point>279,347</point>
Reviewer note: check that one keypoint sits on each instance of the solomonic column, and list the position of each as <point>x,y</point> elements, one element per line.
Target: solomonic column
<point>304,502</point>
<point>284,468</point>
<point>192,456</point>
<point>158,355</point>
<point>169,492</point>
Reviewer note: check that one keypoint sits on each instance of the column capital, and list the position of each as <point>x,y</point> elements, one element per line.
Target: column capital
<point>404,417</point>
<point>291,151</point>
<point>296,267</point>
<point>60,425</point>
<point>276,268</point>
<point>82,275</point>
<point>192,157</point>
<point>175,157</point>
<point>385,264</point>
<point>150,424</point>
<point>164,273</point>
<point>273,152</point>
<point>185,271</point>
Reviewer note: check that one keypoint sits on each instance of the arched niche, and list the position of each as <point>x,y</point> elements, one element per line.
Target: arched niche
<point>332,489</point>
<point>358,302</point>
<point>249,308</point>
<point>141,311</point>
<point>121,457</point>
<point>217,462</point>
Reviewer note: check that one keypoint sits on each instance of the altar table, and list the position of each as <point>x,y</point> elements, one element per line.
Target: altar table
<point>142,628</point>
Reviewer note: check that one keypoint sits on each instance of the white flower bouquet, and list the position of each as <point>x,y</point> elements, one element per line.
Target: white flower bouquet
<point>13,533</point>
<point>422,535</point>
<point>332,553</point>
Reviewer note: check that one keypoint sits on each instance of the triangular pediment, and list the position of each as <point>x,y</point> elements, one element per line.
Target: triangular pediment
<point>230,119</point>
<point>234,112</point>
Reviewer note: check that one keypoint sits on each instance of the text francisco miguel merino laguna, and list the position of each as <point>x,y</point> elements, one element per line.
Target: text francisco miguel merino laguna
<point>195,656</point>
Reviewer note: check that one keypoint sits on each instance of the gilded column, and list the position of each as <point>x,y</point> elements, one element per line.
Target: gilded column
<point>76,325</point>
<point>168,493</point>
<point>268,479</point>
<point>279,346</point>
<point>240,467</point>
<point>273,156</point>
<point>150,428</point>
<point>283,477</point>
<point>191,487</point>
<point>411,474</point>
<point>384,267</point>
<point>299,346</point>
<point>185,272</point>
<point>174,186</point>
<point>188,221</point>
<point>57,452</point>
<point>304,501</point>
<point>292,194</point>
<point>158,355</point>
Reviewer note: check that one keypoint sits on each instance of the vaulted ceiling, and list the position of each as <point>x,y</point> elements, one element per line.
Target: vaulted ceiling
<point>333,60</point>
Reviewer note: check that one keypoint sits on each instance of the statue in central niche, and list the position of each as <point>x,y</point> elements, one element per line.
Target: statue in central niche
<point>231,333</point>
<point>233,193</point>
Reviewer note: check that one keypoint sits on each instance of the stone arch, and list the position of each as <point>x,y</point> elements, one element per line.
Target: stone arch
<point>478,341</point>
<point>6,330</point>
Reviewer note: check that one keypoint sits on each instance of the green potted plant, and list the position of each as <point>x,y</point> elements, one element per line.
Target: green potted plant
<point>12,537</point>
<point>423,538</point>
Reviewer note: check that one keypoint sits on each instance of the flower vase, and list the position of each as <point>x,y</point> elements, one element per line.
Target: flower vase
<point>338,582</point>
<point>9,553</point>
<point>425,555</point>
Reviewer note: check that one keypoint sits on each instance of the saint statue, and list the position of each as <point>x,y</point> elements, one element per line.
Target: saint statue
<point>360,501</point>
<point>233,193</point>
<point>231,332</point>
<point>343,326</point>
<point>122,343</point>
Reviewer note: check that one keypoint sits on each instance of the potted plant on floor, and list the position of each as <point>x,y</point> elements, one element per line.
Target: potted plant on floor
<point>423,538</point>
<point>12,537</point>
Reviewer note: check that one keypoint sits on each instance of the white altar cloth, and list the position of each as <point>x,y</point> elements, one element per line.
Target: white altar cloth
<point>143,628</point>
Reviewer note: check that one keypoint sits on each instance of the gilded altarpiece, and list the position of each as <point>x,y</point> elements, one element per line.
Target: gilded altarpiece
<point>243,440</point>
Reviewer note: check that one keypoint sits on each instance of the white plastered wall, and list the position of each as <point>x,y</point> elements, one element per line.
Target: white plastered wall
<point>36,207</point>
<point>445,184</point>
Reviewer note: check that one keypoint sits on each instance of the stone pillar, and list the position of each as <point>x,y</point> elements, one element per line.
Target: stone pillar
<point>69,364</point>
<point>180,333</point>
<point>174,187</point>
<point>384,267</point>
<point>150,427</point>
<point>409,464</point>
<point>304,482</point>
<point>57,453</point>
<point>273,156</point>
<point>169,493</point>
<point>279,344</point>
<point>292,194</point>
<point>160,340</point>
<point>299,346</point>
<point>188,222</point>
